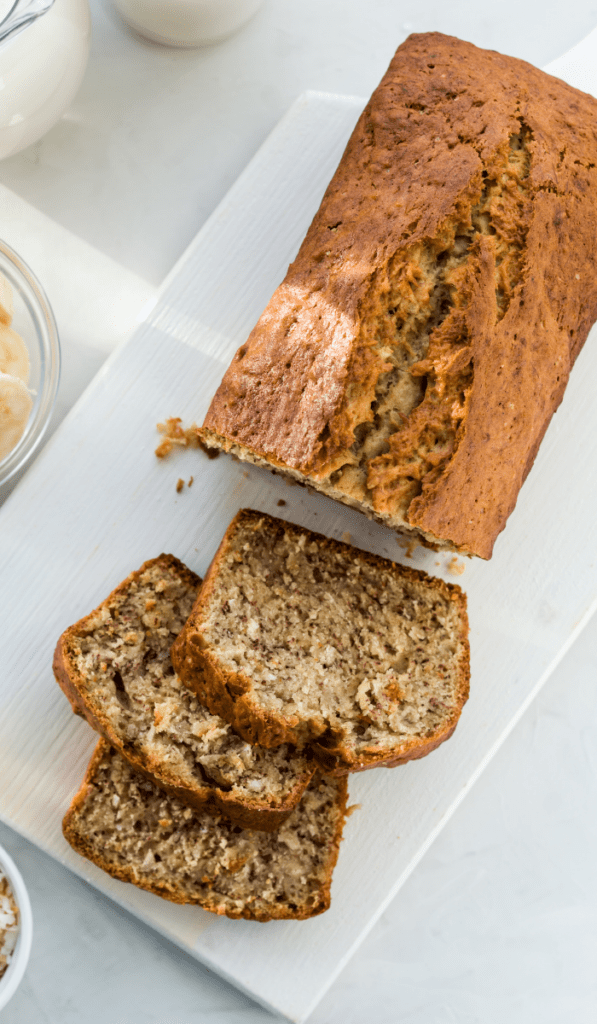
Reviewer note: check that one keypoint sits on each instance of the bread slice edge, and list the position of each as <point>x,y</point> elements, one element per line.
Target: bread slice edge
<point>247,814</point>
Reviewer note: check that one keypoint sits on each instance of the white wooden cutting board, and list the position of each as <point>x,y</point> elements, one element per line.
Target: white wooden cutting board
<point>97,503</point>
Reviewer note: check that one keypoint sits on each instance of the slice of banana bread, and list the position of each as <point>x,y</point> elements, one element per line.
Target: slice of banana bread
<point>411,361</point>
<point>114,666</point>
<point>139,833</point>
<point>295,638</point>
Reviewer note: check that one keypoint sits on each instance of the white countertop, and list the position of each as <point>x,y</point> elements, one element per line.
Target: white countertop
<point>498,922</point>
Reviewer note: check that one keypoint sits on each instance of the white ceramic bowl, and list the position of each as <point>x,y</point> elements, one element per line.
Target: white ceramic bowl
<point>10,980</point>
<point>41,69</point>
<point>186,22</point>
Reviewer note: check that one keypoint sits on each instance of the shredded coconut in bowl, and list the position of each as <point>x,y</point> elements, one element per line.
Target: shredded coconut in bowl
<point>9,924</point>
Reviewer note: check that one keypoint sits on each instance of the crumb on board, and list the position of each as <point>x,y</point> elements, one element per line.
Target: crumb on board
<point>190,483</point>
<point>179,485</point>
<point>409,544</point>
<point>455,568</point>
<point>280,502</point>
<point>353,807</point>
<point>347,537</point>
<point>175,435</point>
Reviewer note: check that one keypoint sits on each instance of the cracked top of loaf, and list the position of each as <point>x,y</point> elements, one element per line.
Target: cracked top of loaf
<point>411,360</point>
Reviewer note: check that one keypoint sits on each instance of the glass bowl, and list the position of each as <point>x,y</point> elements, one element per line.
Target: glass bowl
<point>34,321</point>
<point>11,979</point>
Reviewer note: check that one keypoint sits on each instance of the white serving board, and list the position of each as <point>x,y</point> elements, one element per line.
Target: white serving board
<point>97,503</point>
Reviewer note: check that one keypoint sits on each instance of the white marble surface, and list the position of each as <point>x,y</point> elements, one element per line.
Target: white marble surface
<point>499,920</point>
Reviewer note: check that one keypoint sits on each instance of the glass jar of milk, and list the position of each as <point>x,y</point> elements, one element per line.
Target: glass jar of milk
<point>186,22</point>
<point>44,46</point>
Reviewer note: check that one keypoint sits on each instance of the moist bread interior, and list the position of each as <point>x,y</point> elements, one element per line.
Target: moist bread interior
<point>123,657</point>
<point>137,832</point>
<point>331,636</point>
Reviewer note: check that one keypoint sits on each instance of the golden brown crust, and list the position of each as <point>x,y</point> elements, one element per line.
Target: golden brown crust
<point>248,813</point>
<point>127,873</point>
<point>229,694</point>
<point>333,760</point>
<point>432,133</point>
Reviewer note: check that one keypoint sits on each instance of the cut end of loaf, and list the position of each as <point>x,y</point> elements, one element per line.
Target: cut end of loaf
<point>215,442</point>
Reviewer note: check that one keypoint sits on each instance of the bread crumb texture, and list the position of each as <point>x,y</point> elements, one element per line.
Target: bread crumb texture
<point>137,832</point>
<point>328,643</point>
<point>410,362</point>
<point>116,665</point>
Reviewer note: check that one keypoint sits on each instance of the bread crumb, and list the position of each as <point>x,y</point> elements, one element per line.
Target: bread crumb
<point>347,537</point>
<point>184,437</point>
<point>280,502</point>
<point>179,485</point>
<point>353,807</point>
<point>164,448</point>
<point>190,483</point>
<point>455,568</point>
<point>408,544</point>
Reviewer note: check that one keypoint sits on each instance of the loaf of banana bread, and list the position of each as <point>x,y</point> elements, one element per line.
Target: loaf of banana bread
<point>411,361</point>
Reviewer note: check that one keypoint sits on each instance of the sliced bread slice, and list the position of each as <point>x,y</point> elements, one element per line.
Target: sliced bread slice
<point>114,666</point>
<point>296,638</point>
<point>139,833</point>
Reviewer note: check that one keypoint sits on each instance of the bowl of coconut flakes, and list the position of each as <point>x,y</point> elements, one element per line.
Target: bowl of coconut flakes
<point>16,927</point>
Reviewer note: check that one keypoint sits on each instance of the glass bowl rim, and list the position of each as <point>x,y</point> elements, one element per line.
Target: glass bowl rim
<point>41,313</point>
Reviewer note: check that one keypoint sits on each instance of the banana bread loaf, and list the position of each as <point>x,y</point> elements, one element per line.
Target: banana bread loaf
<point>412,359</point>
<point>114,666</point>
<point>295,638</point>
<point>139,833</point>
